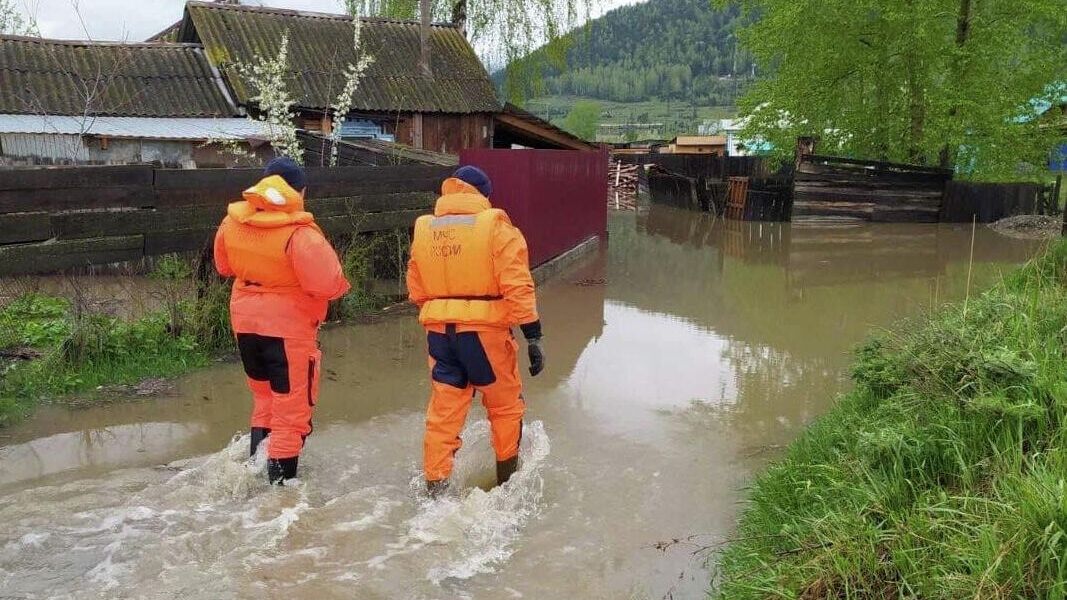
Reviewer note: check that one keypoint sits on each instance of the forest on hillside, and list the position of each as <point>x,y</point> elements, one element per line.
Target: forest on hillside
<point>683,50</point>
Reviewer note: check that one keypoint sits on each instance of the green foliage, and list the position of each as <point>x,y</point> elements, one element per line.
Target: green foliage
<point>209,314</point>
<point>34,321</point>
<point>82,350</point>
<point>583,119</point>
<point>921,81</point>
<point>357,262</point>
<point>941,475</point>
<point>174,274</point>
<point>678,50</point>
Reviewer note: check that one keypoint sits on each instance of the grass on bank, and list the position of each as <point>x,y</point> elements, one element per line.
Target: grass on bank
<point>52,348</point>
<point>941,475</point>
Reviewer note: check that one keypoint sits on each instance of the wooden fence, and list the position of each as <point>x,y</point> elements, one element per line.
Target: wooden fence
<point>759,199</point>
<point>701,166</point>
<point>674,189</point>
<point>53,219</point>
<point>863,190</point>
<point>989,202</point>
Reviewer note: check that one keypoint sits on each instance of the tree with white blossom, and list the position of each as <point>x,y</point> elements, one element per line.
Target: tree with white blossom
<point>269,79</point>
<point>342,104</point>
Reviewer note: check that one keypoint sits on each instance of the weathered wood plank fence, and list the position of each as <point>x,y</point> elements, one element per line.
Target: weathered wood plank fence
<point>53,219</point>
<point>989,202</point>
<point>864,190</point>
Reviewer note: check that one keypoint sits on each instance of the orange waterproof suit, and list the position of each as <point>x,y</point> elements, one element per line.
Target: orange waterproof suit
<point>286,274</point>
<point>469,274</point>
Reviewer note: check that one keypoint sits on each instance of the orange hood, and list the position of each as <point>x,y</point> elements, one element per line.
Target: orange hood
<point>460,198</point>
<point>270,203</point>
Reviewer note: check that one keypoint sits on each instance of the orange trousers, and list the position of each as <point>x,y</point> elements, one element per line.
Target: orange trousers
<point>283,374</point>
<point>460,364</point>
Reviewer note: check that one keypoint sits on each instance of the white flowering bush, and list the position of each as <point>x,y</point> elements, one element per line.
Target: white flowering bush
<point>353,74</point>
<point>267,78</point>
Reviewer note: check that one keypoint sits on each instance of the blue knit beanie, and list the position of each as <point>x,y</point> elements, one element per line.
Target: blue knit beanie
<point>289,170</point>
<point>476,177</point>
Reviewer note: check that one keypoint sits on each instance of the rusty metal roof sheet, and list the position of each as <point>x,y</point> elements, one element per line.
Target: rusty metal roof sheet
<point>320,45</point>
<point>53,77</point>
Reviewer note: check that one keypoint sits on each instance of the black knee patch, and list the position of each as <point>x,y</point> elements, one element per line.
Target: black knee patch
<point>264,359</point>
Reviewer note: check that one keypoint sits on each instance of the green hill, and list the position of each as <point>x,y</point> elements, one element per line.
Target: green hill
<point>665,61</point>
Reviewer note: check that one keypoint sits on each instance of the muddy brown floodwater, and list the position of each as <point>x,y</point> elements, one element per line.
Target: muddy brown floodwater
<point>681,359</point>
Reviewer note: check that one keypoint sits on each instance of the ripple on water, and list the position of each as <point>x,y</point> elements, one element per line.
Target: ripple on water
<point>216,529</point>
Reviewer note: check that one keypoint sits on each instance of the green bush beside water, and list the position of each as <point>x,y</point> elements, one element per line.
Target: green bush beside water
<point>59,347</point>
<point>76,353</point>
<point>941,475</point>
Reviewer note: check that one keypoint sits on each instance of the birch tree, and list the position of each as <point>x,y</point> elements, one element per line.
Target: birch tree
<point>950,82</point>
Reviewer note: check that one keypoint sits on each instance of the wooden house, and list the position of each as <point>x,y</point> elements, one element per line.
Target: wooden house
<point>449,110</point>
<point>714,145</point>
<point>74,103</point>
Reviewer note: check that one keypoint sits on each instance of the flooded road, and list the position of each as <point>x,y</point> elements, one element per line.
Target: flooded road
<point>681,359</point>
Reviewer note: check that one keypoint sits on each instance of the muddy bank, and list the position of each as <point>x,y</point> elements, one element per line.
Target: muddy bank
<point>1039,227</point>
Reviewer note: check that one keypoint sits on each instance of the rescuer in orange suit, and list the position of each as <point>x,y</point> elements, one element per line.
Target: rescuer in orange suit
<point>286,273</point>
<point>469,274</point>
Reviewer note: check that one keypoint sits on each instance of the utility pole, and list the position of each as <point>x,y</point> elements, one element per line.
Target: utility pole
<point>424,36</point>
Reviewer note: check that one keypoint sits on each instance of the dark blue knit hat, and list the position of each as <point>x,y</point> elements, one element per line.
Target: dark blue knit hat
<point>475,177</point>
<point>289,170</point>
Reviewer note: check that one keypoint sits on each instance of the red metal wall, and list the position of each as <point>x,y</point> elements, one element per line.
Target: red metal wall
<point>558,198</point>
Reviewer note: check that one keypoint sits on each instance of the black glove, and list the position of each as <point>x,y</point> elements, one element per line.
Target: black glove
<point>537,357</point>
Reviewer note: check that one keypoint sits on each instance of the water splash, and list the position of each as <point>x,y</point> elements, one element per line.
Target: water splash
<point>478,528</point>
<point>226,475</point>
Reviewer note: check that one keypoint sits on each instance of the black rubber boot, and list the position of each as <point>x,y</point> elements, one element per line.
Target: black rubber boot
<point>280,469</point>
<point>258,434</point>
<point>436,489</point>
<point>505,469</point>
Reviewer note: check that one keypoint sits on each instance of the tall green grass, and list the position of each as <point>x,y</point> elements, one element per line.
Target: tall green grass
<point>941,475</point>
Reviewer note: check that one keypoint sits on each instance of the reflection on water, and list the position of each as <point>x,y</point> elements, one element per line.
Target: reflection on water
<point>679,361</point>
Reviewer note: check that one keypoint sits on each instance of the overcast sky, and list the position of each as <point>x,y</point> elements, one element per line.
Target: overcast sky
<point>135,20</point>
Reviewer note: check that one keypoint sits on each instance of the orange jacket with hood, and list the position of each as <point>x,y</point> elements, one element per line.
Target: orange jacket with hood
<point>471,268</point>
<point>286,271</point>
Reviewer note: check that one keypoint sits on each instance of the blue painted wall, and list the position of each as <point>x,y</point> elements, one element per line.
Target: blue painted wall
<point>1058,160</point>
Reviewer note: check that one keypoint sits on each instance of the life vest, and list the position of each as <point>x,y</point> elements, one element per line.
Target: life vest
<point>453,253</point>
<point>257,231</point>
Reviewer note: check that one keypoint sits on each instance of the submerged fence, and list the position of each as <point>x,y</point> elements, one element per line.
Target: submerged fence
<point>989,202</point>
<point>59,218</point>
<point>843,188</point>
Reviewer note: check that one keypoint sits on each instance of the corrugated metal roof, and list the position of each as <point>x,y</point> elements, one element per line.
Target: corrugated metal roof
<point>170,34</point>
<point>40,76</point>
<point>136,127</point>
<point>317,42</point>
